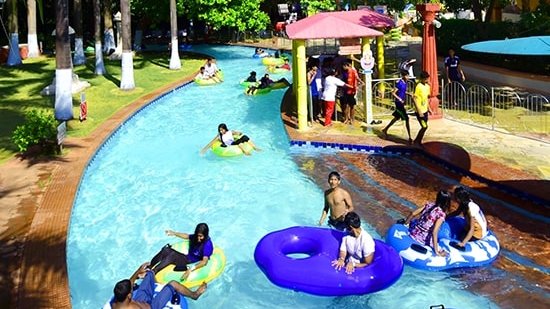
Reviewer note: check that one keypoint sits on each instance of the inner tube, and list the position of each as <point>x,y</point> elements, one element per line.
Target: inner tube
<point>262,55</point>
<point>258,91</point>
<point>182,305</point>
<point>276,70</point>
<point>272,61</point>
<point>210,81</point>
<point>246,84</point>
<point>314,273</point>
<point>278,85</point>
<point>229,151</point>
<point>207,273</point>
<point>475,253</point>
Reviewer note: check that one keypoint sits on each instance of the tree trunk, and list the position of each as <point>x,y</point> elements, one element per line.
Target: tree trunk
<point>14,58</point>
<point>175,63</point>
<point>99,65</point>
<point>109,39</point>
<point>63,66</point>
<point>79,57</point>
<point>477,8</point>
<point>127,79</point>
<point>32,40</point>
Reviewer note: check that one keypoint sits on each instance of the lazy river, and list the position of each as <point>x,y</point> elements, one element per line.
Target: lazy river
<point>150,177</point>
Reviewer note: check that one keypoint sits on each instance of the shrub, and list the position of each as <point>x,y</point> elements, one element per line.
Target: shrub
<point>40,128</point>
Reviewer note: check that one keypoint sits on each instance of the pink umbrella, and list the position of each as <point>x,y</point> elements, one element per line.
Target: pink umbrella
<point>328,25</point>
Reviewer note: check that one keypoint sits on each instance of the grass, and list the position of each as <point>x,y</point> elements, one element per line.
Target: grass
<point>20,90</point>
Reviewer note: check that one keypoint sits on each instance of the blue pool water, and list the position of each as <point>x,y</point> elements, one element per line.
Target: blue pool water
<point>150,177</point>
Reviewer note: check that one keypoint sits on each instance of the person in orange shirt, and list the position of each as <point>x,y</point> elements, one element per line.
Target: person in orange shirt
<point>348,97</point>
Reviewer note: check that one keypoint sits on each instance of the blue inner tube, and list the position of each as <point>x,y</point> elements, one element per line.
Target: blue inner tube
<point>311,272</point>
<point>182,305</point>
<point>476,253</point>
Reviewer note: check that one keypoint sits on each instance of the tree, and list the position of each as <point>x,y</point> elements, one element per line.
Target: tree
<point>312,7</point>
<point>127,79</point>
<point>14,58</point>
<point>63,65</point>
<point>79,57</point>
<point>99,65</point>
<point>239,14</point>
<point>175,63</point>
<point>32,39</point>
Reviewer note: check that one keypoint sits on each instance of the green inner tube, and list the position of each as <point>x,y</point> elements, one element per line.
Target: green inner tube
<point>246,84</point>
<point>258,91</point>
<point>229,151</point>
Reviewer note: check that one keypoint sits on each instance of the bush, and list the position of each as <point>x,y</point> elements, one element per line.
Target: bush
<point>40,128</point>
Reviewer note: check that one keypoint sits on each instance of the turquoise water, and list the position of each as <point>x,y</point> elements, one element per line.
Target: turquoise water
<point>150,177</point>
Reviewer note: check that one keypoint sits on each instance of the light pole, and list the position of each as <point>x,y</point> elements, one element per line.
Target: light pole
<point>117,18</point>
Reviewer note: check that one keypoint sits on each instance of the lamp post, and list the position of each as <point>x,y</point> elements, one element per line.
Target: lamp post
<point>117,18</point>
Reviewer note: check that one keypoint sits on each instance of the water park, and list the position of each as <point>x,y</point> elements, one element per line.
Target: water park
<point>322,166</point>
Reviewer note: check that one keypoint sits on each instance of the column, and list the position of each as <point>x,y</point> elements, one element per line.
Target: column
<point>301,82</point>
<point>429,53</point>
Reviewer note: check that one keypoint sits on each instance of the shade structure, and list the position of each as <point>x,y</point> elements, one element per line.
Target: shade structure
<point>366,17</point>
<point>327,25</point>
<point>528,46</point>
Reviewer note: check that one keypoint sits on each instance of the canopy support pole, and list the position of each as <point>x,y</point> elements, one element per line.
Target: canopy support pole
<point>299,50</point>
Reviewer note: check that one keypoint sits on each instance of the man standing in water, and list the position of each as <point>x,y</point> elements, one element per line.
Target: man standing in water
<point>337,202</point>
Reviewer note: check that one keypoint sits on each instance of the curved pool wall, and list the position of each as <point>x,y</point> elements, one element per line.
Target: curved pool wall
<point>149,177</point>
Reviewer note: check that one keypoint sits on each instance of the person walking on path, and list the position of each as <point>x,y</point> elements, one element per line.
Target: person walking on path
<point>421,100</point>
<point>452,68</point>
<point>400,94</point>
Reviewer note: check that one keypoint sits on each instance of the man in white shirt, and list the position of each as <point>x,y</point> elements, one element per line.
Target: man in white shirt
<point>210,69</point>
<point>329,94</point>
<point>357,248</point>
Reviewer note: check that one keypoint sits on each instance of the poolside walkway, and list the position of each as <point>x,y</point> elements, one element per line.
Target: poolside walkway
<point>36,197</point>
<point>36,202</point>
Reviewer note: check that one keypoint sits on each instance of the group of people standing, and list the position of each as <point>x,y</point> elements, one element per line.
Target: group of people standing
<point>326,86</point>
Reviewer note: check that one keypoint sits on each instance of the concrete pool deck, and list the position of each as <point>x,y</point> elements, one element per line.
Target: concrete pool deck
<point>37,195</point>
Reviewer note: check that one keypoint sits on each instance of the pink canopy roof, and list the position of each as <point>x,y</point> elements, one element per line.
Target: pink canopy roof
<point>344,24</point>
<point>367,18</point>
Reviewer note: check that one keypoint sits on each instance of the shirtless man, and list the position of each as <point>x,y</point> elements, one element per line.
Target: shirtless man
<point>338,201</point>
<point>143,298</point>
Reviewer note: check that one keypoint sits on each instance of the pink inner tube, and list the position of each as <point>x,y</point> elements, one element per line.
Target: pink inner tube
<point>313,273</point>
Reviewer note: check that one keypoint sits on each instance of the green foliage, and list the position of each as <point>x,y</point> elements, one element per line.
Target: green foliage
<point>314,6</point>
<point>40,128</point>
<point>242,15</point>
<point>536,22</point>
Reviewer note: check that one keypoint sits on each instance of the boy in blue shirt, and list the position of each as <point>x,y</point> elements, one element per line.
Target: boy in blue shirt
<point>400,94</point>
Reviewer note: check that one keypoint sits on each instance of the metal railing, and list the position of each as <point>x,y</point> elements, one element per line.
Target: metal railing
<point>502,109</point>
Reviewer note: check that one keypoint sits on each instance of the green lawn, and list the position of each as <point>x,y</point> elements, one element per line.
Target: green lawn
<point>20,90</point>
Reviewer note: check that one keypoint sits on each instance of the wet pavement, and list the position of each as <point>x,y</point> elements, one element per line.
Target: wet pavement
<point>386,187</point>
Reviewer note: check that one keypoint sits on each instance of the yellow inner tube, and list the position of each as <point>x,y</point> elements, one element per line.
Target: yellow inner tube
<point>229,151</point>
<point>273,61</point>
<point>207,273</point>
<point>210,81</point>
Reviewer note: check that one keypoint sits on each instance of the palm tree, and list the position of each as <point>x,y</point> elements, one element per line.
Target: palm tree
<point>79,57</point>
<point>63,66</point>
<point>14,58</point>
<point>127,79</point>
<point>175,63</point>
<point>32,40</point>
<point>99,66</point>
